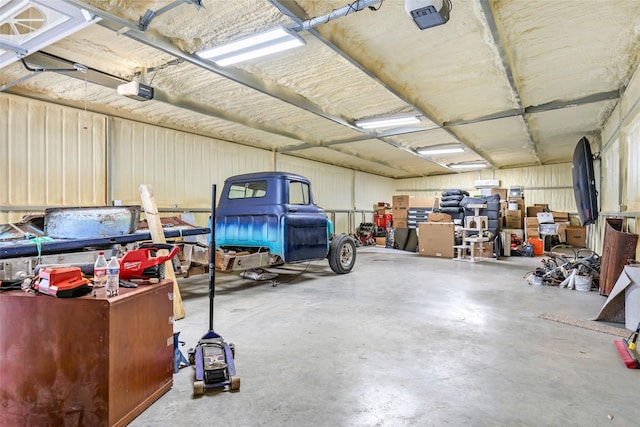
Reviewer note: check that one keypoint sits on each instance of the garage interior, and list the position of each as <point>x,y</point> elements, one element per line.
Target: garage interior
<point>99,98</point>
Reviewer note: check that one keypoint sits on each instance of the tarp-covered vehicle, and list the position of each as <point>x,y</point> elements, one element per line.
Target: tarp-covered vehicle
<point>270,218</point>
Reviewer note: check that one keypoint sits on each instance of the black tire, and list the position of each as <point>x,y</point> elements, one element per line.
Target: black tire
<point>342,254</point>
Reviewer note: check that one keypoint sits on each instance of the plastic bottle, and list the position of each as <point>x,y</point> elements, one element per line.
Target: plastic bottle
<point>100,271</point>
<point>113,277</point>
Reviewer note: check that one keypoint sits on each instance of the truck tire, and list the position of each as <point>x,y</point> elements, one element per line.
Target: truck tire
<point>342,254</point>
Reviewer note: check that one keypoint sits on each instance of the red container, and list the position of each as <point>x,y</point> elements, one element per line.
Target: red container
<point>382,220</point>
<point>538,248</point>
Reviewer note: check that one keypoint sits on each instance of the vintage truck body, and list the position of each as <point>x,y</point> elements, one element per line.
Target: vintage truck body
<point>270,218</point>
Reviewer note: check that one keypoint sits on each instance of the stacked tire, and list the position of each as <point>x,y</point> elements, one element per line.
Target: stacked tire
<point>450,203</point>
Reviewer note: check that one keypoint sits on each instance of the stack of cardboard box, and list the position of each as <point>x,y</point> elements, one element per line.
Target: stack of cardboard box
<point>514,217</point>
<point>402,203</point>
<point>531,227</point>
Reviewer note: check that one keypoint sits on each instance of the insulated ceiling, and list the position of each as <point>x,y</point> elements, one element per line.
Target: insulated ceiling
<point>517,83</point>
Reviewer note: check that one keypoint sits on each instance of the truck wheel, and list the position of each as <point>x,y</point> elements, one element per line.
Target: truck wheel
<point>342,254</point>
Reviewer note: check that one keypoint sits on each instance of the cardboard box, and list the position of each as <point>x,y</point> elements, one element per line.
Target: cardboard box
<point>424,202</point>
<point>519,202</point>
<point>513,219</point>
<point>532,233</point>
<point>531,222</point>
<point>383,211</point>
<point>544,206</point>
<point>560,216</point>
<point>577,236</point>
<point>436,239</point>
<point>533,211</point>
<point>400,223</point>
<point>399,213</point>
<point>501,191</point>
<point>487,250</point>
<point>438,217</point>
<point>402,201</point>
<point>381,241</point>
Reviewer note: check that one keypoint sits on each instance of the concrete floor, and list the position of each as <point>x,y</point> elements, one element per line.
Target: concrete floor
<point>402,341</point>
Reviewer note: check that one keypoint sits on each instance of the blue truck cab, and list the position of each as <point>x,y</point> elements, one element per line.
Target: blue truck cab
<point>275,213</point>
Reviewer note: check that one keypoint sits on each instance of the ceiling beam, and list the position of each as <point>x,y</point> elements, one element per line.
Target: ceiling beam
<point>47,62</point>
<point>284,94</point>
<point>491,22</point>
<point>535,109</point>
<point>300,16</point>
<point>131,30</point>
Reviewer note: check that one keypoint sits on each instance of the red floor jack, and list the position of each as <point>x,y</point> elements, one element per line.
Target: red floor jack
<point>627,350</point>
<point>213,356</point>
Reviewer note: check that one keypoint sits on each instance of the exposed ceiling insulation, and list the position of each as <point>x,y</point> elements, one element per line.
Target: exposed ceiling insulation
<point>515,82</point>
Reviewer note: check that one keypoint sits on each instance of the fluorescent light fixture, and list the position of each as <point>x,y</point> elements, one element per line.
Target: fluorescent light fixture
<point>441,149</point>
<point>254,46</point>
<point>468,165</point>
<point>386,122</point>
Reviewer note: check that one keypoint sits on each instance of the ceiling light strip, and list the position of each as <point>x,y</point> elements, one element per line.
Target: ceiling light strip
<point>254,46</point>
<point>441,149</point>
<point>384,122</point>
<point>468,165</point>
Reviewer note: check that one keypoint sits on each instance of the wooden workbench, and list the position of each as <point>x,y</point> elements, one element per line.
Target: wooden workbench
<point>88,361</point>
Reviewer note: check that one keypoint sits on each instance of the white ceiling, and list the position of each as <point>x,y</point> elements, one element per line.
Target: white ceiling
<point>517,82</point>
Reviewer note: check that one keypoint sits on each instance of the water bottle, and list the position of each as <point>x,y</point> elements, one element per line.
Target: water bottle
<point>100,271</point>
<point>113,277</point>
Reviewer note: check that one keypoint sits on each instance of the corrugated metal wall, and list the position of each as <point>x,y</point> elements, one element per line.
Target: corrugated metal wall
<point>620,155</point>
<point>370,189</point>
<point>180,167</point>
<point>49,156</point>
<point>610,166</point>
<point>631,181</point>
<point>59,156</point>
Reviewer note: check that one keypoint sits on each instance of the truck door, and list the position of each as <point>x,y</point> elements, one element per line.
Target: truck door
<point>305,225</point>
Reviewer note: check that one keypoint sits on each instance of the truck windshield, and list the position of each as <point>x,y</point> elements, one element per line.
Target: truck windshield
<point>248,190</point>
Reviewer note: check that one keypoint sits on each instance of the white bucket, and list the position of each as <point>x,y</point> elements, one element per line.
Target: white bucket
<point>583,283</point>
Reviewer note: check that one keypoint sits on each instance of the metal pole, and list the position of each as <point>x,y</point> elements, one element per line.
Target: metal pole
<point>212,257</point>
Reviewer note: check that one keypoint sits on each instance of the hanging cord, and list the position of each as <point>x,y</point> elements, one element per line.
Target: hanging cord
<point>375,9</point>
<point>86,84</point>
